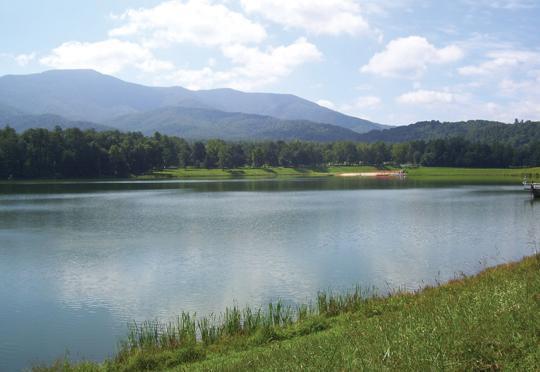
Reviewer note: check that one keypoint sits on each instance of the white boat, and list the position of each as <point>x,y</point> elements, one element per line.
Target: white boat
<point>533,187</point>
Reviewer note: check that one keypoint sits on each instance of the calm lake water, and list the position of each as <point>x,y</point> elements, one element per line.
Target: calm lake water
<point>79,260</point>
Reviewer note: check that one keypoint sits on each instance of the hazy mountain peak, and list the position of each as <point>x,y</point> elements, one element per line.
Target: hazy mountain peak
<point>88,95</point>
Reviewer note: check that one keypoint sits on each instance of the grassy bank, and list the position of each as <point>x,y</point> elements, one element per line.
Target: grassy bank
<point>258,172</point>
<point>496,175</point>
<point>502,175</point>
<point>489,321</point>
<point>514,175</point>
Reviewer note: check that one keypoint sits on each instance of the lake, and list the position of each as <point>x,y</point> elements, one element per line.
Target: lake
<point>79,260</point>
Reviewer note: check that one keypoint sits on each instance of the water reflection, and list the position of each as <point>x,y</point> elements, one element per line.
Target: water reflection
<point>77,261</point>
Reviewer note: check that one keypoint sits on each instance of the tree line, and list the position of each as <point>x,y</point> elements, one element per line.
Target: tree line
<point>517,134</point>
<point>72,152</point>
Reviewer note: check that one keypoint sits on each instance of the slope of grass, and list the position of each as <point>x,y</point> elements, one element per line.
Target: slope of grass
<point>502,175</point>
<point>490,321</point>
<point>474,174</point>
<point>258,172</point>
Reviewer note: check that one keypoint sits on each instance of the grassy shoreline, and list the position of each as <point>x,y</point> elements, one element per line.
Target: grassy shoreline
<point>488,321</point>
<point>504,175</point>
<point>265,172</point>
<point>495,175</point>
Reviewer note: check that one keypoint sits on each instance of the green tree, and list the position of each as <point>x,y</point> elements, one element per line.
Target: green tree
<point>199,154</point>
<point>257,156</point>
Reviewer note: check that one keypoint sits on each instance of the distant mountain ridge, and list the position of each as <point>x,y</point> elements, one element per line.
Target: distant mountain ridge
<point>82,95</point>
<point>474,130</point>
<point>282,106</point>
<point>88,99</point>
<point>21,121</point>
<point>194,123</point>
<point>86,95</point>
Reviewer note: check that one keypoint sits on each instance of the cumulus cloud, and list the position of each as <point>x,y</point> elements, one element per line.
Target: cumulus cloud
<point>202,78</point>
<point>108,56</point>
<point>326,103</point>
<point>504,4</point>
<point>331,17</point>
<point>502,60</point>
<point>202,23</point>
<point>198,22</point>
<point>275,62</point>
<point>510,87</point>
<point>526,109</point>
<point>24,59</point>
<point>252,67</point>
<point>367,102</point>
<point>410,57</point>
<point>429,97</point>
<point>513,75</point>
<point>357,107</point>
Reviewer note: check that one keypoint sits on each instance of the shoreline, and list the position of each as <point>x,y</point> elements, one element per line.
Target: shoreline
<point>465,319</point>
<point>421,173</point>
<point>505,175</point>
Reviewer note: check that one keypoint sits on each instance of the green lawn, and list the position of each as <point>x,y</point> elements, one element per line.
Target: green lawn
<point>435,174</point>
<point>474,174</point>
<point>257,172</point>
<point>490,321</point>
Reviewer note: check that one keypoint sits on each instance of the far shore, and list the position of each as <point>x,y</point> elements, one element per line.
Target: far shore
<point>432,174</point>
<point>503,175</point>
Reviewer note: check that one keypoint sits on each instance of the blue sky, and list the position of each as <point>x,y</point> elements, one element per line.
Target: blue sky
<point>392,62</point>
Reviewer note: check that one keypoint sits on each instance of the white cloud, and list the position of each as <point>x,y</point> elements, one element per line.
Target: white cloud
<point>198,22</point>
<point>513,77</point>
<point>429,97</point>
<point>275,62</point>
<point>526,109</point>
<point>252,68</point>
<point>410,57</point>
<point>24,59</point>
<point>331,17</point>
<point>502,60</point>
<point>504,4</point>
<point>367,102</point>
<point>203,78</point>
<point>357,107</point>
<point>510,87</point>
<point>108,56</point>
<point>326,103</point>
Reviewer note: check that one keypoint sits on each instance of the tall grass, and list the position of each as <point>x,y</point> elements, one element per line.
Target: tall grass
<point>188,329</point>
<point>489,321</point>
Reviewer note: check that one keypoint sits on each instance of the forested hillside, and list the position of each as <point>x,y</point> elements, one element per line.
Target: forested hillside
<point>75,153</point>
<point>203,124</point>
<point>515,134</point>
<point>21,121</point>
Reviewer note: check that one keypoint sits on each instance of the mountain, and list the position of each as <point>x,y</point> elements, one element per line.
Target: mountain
<point>196,123</point>
<point>474,130</point>
<point>283,106</point>
<point>21,121</point>
<point>82,95</point>
<point>90,96</point>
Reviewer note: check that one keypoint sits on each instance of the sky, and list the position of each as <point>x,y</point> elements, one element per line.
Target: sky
<point>393,62</point>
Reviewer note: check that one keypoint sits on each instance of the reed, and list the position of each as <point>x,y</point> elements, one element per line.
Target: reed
<point>188,329</point>
<point>484,322</point>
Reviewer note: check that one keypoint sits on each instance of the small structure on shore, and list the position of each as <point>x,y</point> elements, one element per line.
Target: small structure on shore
<point>393,173</point>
